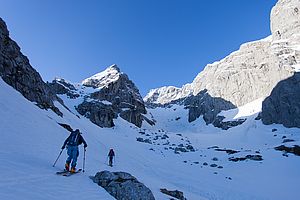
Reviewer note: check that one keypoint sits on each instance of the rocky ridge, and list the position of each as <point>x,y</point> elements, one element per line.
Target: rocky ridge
<point>17,72</point>
<point>104,97</point>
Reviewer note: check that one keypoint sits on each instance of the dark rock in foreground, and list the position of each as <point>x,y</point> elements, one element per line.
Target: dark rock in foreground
<point>175,193</point>
<point>294,150</point>
<point>122,186</point>
<point>248,157</point>
<point>229,151</point>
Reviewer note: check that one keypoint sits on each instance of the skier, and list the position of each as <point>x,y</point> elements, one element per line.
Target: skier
<point>111,155</point>
<point>72,143</point>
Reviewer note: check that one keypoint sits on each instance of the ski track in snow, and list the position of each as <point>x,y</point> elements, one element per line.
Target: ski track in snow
<point>31,141</point>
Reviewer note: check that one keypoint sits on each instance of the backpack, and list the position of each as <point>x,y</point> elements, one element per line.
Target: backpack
<point>111,153</point>
<point>74,138</point>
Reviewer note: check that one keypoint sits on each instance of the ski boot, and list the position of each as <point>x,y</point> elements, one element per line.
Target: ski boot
<point>73,170</point>
<point>67,166</point>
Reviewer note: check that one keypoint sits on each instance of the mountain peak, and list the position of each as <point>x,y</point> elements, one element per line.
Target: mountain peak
<point>114,67</point>
<point>101,79</point>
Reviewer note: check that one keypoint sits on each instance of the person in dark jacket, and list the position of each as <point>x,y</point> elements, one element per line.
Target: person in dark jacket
<point>111,155</point>
<point>72,142</point>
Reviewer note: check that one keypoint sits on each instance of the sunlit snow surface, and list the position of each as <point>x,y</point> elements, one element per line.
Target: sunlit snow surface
<point>31,140</point>
<point>105,77</point>
<point>252,108</point>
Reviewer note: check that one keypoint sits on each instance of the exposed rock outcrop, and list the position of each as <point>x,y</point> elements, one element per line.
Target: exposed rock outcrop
<point>104,97</point>
<point>115,87</point>
<point>60,86</point>
<point>209,107</point>
<point>247,74</point>
<point>98,112</point>
<point>122,185</point>
<point>294,150</point>
<point>205,105</point>
<point>285,20</point>
<point>173,193</point>
<point>17,72</point>
<point>283,105</point>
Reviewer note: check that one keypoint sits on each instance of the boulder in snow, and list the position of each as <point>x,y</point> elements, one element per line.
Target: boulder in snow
<point>122,185</point>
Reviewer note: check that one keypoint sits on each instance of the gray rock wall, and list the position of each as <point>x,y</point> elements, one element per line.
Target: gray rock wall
<point>249,73</point>
<point>60,86</point>
<point>207,106</point>
<point>17,72</point>
<point>285,20</point>
<point>283,105</point>
<point>99,113</point>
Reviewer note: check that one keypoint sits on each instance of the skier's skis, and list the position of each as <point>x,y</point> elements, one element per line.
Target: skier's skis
<point>62,172</point>
<point>72,173</point>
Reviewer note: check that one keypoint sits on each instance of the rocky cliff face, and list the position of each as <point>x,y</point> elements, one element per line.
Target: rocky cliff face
<point>104,97</point>
<point>285,22</point>
<point>16,71</point>
<point>283,105</point>
<point>252,71</point>
<point>167,94</point>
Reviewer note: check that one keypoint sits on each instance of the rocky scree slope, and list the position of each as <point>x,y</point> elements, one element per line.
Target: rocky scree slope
<point>16,71</point>
<point>105,96</point>
<point>251,72</point>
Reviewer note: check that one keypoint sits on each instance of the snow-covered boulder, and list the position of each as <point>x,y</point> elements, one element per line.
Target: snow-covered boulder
<point>122,185</point>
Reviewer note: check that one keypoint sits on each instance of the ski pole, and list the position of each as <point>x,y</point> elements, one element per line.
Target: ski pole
<point>57,158</point>
<point>83,160</point>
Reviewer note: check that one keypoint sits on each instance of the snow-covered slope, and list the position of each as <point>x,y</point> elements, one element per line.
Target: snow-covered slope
<point>31,140</point>
<point>200,160</point>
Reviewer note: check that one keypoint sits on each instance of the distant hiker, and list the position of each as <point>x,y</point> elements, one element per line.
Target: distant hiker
<point>72,143</point>
<point>111,155</point>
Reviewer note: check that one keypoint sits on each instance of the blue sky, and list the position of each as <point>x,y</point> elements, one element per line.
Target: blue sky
<point>156,42</point>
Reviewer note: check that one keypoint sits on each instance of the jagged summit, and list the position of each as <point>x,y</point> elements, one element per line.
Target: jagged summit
<point>104,97</point>
<point>102,79</point>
